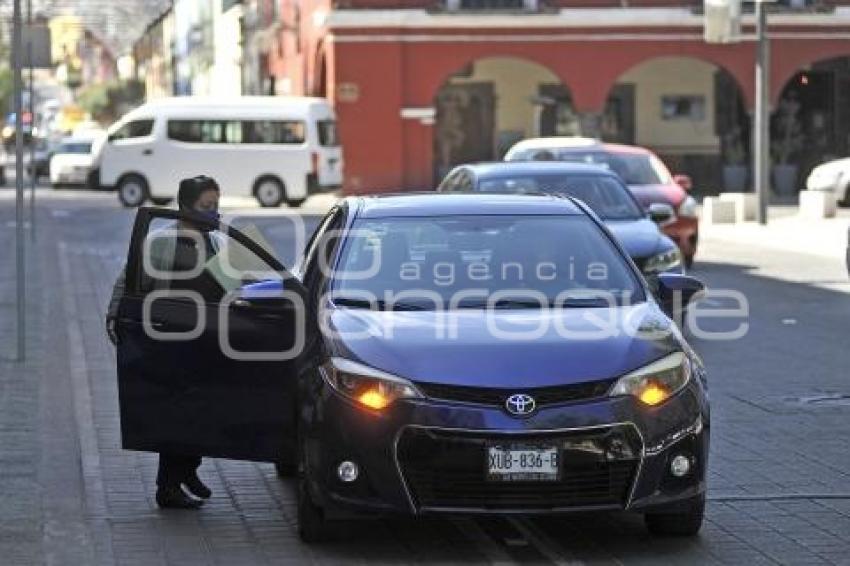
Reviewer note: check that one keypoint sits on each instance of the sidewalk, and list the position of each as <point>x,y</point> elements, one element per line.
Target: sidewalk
<point>787,231</point>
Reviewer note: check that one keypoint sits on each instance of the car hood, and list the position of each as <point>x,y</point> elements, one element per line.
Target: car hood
<point>640,238</point>
<point>669,193</point>
<point>475,357</point>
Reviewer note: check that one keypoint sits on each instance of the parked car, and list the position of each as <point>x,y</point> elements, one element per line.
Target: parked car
<point>353,376</point>
<point>601,189</point>
<point>645,174</point>
<point>833,177</point>
<point>72,161</point>
<point>275,148</point>
<point>40,166</point>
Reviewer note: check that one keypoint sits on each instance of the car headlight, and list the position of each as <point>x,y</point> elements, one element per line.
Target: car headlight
<point>367,386</point>
<point>655,383</point>
<point>688,208</point>
<point>663,261</point>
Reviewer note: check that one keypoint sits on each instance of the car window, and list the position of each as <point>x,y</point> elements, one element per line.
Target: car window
<point>437,259</point>
<point>607,196</point>
<point>80,148</point>
<point>328,136</point>
<point>632,168</point>
<point>133,129</point>
<point>177,256</point>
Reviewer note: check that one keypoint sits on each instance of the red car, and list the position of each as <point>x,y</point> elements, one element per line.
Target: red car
<point>645,174</point>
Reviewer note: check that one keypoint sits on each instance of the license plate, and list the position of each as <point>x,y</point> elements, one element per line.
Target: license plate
<point>522,463</point>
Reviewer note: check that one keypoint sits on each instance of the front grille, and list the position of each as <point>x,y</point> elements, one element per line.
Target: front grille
<point>446,469</point>
<point>497,396</point>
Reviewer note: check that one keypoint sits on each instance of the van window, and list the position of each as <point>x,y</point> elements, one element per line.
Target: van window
<point>197,131</point>
<point>237,131</point>
<point>272,131</point>
<point>134,129</point>
<point>327,133</point>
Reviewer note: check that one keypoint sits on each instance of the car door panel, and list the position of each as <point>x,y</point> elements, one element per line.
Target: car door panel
<point>190,395</point>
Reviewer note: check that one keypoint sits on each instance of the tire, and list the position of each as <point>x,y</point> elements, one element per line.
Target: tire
<point>846,200</point>
<point>295,202</point>
<point>269,192</point>
<point>286,469</point>
<point>161,201</point>
<point>313,527</point>
<point>133,191</point>
<point>685,524</point>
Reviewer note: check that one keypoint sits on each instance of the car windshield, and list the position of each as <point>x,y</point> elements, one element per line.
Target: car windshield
<point>75,147</point>
<point>607,196</point>
<point>633,168</point>
<point>477,261</point>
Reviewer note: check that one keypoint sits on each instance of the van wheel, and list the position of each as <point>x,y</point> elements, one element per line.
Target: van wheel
<point>295,202</point>
<point>269,192</point>
<point>161,201</point>
<point>133,191</point>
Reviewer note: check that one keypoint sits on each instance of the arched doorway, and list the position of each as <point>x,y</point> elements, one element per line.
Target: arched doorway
<point>493,102</point>
<point>810,123</point>
<point>689,111</point>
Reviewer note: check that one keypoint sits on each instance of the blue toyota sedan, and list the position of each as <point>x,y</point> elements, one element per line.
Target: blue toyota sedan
<point>432,354</point>
<point>600,188</point>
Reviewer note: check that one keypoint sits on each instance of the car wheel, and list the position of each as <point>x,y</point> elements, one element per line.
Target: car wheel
<point>161,201</point>
<point>295,202</point>
<point>133,191</point>
<point>685,524</point>
<point>313,527</point>
<point>846,200</point>
<point>269,192</point>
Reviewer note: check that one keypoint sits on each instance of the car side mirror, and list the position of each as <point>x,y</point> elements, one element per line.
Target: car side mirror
<point>684,181</point>
<point>660,212</point>
<point>676,291</point>
<point>268,293</point>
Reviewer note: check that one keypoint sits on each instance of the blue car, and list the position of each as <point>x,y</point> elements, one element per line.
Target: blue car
<point>600,188</point>
<point>433,354</point>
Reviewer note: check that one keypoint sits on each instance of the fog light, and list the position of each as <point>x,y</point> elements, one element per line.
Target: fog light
<point>348,471</point>
<point>680,466</point>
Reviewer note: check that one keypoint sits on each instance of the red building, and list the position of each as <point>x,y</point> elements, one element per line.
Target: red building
<point>420,85</point>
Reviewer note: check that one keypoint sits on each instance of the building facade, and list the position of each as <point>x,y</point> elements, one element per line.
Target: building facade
<point>420,85</point>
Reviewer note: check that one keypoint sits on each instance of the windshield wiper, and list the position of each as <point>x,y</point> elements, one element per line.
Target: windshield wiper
<point>378,304</point>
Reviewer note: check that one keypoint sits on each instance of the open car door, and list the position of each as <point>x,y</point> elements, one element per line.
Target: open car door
<point>211,328</point>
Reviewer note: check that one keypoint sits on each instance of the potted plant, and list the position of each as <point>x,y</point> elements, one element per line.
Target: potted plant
<point>734,163</point>
<point>788,140</point>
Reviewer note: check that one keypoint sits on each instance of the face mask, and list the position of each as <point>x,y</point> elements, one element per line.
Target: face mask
<point>210,214</point>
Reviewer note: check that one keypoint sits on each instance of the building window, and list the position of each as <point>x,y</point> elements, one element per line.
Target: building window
<point>456,5</point>
<point>683,107</point>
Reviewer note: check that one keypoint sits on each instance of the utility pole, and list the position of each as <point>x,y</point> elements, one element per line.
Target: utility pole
<point>17,85</point>
<point>33,173</point>
<point>761,124</point>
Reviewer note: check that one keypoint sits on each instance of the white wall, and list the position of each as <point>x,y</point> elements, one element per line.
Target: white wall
<point>673,76</point>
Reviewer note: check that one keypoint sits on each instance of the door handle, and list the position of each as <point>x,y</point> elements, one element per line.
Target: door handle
<point>147,152</point>
<point>153,323</point>
<point>240,304</point>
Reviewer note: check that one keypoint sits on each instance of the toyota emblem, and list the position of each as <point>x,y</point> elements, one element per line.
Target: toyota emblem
<point>520,404</point>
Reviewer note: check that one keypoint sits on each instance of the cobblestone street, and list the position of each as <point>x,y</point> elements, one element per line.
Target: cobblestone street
<point>779,488</point>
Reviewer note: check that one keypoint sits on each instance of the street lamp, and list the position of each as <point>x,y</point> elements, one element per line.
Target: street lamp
<point>761,124</point>
<point>722,25</point>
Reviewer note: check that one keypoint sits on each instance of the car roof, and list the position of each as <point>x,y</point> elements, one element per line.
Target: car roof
<point>502,168</point>
<point>556,142</point>
<point>577,143</point>
<point>457,204</point>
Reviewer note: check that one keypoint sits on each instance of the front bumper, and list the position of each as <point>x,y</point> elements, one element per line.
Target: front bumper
<point>428,456</point>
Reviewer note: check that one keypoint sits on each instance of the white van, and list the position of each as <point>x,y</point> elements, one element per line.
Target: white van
<point>278,149</point>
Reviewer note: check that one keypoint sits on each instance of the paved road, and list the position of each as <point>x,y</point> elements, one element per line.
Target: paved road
<point>779,470</point>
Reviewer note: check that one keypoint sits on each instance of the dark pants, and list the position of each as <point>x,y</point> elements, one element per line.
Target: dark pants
<point>175,469</point>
